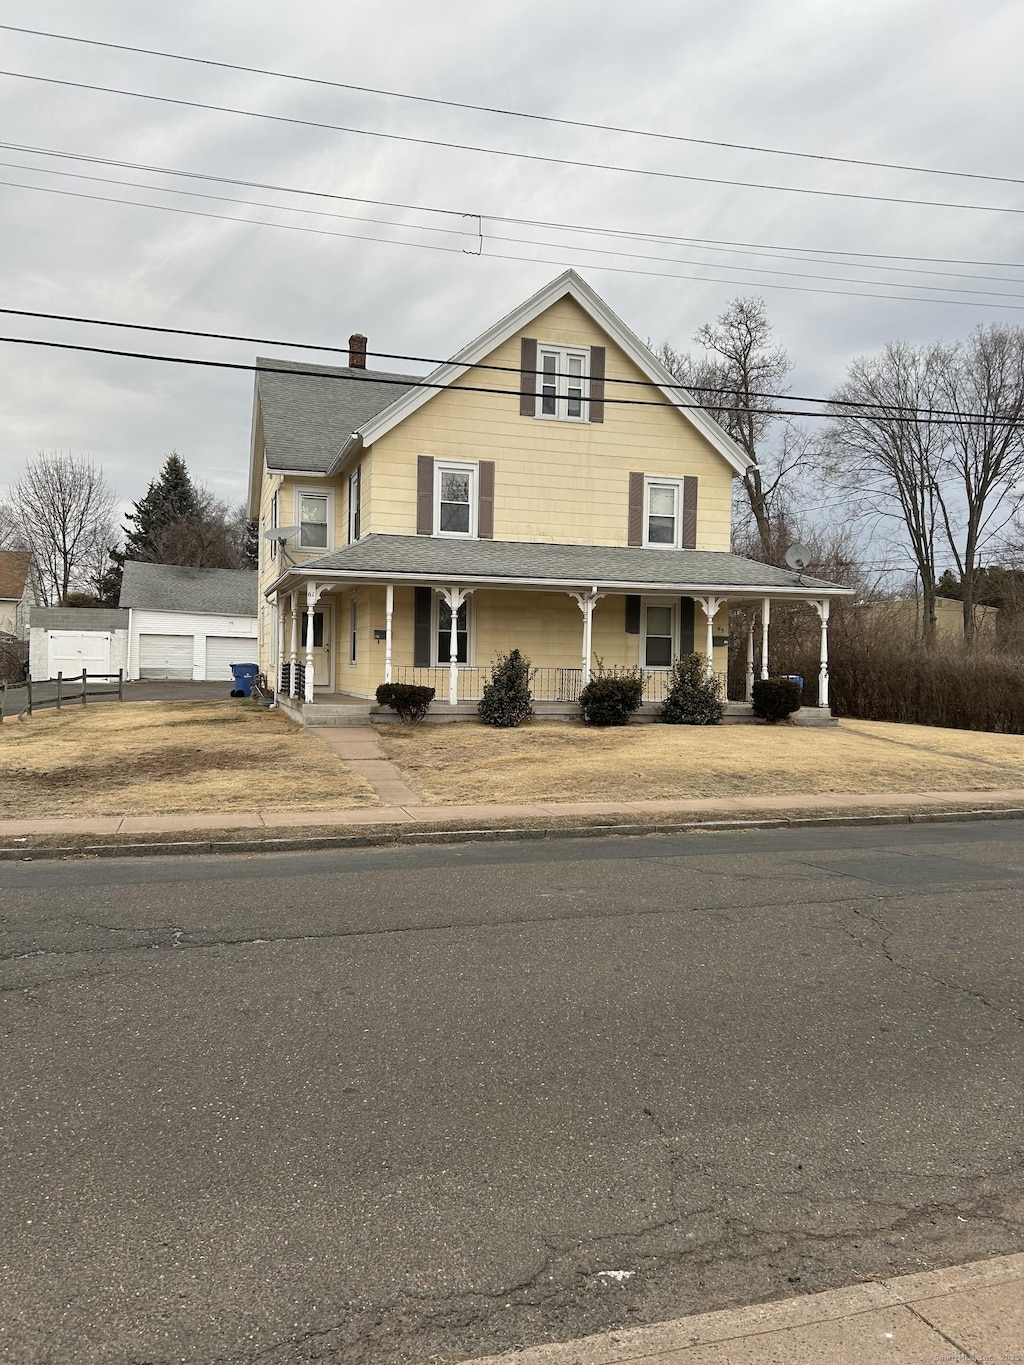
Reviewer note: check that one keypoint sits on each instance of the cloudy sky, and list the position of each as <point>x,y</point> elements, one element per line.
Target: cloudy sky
<point>922,83</point>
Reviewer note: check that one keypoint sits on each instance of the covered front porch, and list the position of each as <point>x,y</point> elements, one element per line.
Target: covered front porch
<point>361,617</point>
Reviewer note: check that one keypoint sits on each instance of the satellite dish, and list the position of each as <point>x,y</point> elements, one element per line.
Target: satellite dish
<point>798,557</point>
<point>281,533</point>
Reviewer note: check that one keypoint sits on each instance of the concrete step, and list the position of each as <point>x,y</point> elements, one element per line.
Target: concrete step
<point>333,715</point>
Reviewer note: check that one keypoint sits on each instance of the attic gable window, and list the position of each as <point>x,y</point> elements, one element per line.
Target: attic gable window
<point>562,383</point>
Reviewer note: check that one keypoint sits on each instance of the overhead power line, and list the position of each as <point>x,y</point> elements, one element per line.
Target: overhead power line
<point>717,243</point>
<point>514,113</point>
<point>560,261</point>
<point>891,411</point>
<point>574,162</point>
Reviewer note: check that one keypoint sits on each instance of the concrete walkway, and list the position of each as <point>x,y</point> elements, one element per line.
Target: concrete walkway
<point>359,748</point>
<point>967,1313</point>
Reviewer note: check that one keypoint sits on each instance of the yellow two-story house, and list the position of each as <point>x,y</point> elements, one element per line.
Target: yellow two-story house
<point>551,488</point>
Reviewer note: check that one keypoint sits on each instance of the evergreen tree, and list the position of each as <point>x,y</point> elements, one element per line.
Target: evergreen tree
<point>172,497</point>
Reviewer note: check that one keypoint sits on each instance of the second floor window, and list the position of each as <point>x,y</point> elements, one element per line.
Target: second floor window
<point>355,511</point>
<point>455,499</point>
<point>663,513</point>
<point>313,521</point>
<point>562,382</point>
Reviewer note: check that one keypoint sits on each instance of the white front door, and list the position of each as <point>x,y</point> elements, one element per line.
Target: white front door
<point>321,645</point>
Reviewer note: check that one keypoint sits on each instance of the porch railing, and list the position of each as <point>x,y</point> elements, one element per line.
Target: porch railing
<point>546,684</point>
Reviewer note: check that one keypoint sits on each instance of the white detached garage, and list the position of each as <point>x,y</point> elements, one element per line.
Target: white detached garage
<point>188,624</point>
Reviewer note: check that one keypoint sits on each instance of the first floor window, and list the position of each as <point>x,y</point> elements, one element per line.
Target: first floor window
<point>659,634</point>
<point>663,513</point>
<point>444,632</point>
<point>455,496</point>
<point>313,521</point>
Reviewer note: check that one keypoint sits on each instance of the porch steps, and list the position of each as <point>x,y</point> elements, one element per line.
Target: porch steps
<point>327,715</point>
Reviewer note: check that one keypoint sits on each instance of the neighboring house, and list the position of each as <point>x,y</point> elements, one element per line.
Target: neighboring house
<point>186,623</point>
<point>509,499</point>
<point>908,612</point>
<point>16,592</point>
<point>68,640</point>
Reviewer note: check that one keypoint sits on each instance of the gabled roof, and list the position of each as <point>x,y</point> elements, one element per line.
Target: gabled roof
<point>425,559</point>
<point>310,411</point>
<point>174,587</point>
<point>15,566</point>
<point>314,415</point>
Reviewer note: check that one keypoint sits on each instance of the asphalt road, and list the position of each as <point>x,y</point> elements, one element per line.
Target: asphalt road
<point>423,1103</point>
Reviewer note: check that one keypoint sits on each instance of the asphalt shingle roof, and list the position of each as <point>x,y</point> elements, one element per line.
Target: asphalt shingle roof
<point>78,618</point>
<point>173,587</point>
<point>580,565</point>
<point>14,568</point>
<point>310,412</point>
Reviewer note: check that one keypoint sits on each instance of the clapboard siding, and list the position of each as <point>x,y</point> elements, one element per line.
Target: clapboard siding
<point>196,625</point>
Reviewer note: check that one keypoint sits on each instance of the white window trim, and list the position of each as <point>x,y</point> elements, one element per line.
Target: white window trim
<point>435,626</point>
<point>463,467</point>
<point>561,412</point>
<point>307,492</point>
<point>356,474</point>
<point>677,484</point>
<point>673,603</point>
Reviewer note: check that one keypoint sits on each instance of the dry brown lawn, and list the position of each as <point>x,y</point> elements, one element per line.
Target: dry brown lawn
<point>567,761</point>
<point>147,758</point>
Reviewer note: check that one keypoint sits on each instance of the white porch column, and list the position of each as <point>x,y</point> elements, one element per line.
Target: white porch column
<point>822,608</point>
<point>710,607</point>
<point>455,597</point>
<point>586,601</point>
<point>279,612</point>
<point>312,598</point>
<point>749,689</point>
<point>389,611</point>
<point>766,620</point>
<point>293,646</point>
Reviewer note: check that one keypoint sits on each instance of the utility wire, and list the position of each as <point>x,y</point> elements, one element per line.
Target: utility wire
<point>525,241</point>
<point>547,260</point>
<point>491,236</point>
<point>575,163</point>
<point>412,382</point>
<point>514,113</point>
<point>717,243</point>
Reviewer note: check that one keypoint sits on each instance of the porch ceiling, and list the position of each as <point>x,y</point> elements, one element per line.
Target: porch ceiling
<point>525,565</point>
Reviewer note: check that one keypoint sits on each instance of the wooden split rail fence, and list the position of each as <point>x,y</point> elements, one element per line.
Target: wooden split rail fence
<point>33,693</point>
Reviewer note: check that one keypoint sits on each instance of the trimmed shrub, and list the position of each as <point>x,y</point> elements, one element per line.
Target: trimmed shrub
<point>410,701</point>
<point>611,698</point>
<point>506,701</point>
<point>775,699</point>
<point>693,698</point>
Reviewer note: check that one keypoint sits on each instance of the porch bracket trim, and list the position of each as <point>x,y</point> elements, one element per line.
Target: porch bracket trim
<point>314,591</point>
<point>455,598</point>
<point>822,606</point>
<point>710,606</point>
<point>586,601</point>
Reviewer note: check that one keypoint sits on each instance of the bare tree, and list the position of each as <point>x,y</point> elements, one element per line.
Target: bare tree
<point>10,538</point>
<point>213,536</point>
<point>887,455</point>
<point>983,391</point>
<point>63,510</point>
<point>738,382</point>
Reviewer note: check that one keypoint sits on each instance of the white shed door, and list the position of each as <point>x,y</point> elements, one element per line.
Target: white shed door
<point>71,651</point>
<point>165,656</point>
<point>224,650</point>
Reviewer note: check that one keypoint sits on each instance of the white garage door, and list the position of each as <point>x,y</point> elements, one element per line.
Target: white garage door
<point>224,650</point>
<point>71,651</point>
<point>165,656</point>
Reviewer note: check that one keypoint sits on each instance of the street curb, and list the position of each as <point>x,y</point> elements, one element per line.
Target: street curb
<point>393,837</point>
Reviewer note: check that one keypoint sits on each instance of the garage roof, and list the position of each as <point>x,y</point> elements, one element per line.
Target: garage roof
<point>176,587</point>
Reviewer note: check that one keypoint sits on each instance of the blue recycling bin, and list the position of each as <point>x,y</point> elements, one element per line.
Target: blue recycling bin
<point>244,676</point>
<point>794,677</point>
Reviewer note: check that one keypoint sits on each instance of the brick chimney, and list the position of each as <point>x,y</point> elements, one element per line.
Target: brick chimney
<point>357,351</point>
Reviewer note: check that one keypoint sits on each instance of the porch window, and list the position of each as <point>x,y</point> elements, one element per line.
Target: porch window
<point>563,378</point>
<point>455,500</point>
<point>663,513</point>
<point>659,634</point>
<point>353,625</point>
<point>443,633</point>
<point>313,521</point>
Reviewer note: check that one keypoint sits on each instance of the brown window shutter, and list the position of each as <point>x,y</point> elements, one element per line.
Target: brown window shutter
<point>597,383</point>
<point>636,510</point>
<point>425,495</point>
<point>422,604</point>
<point>689,513</point>
<point>528,378</point>
<point>485,507</point>
<point>632,615</point>
<point>686,625</point>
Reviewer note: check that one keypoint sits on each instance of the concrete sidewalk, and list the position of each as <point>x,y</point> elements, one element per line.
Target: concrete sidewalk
<point>925,804</point>
<point>966,1313</point>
